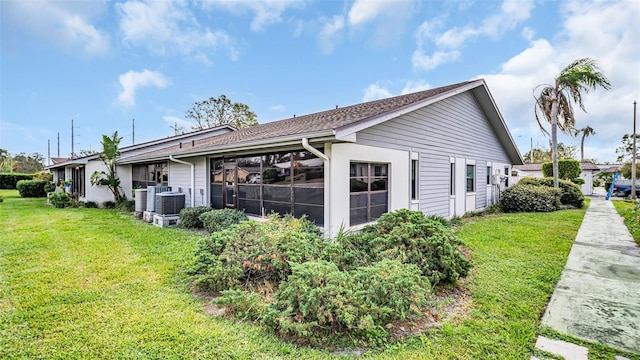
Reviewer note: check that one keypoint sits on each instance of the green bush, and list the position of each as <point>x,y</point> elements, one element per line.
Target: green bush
<point>567,169</point>
<point>50,187</point>
<point>411,238</point>
<point>126,205</point>
<point>571,193</point>
<point>91,204</point>
<point>31,188</point>
<point>217,220</point>
<point>59,199</point>
<point>318,298</point>
<point>578,181</point>
<point>43,175</point>
<point>190,217</point>
<point>10,180</point>
<point>530,198</point>
<point>241,303</point>
<point>253,252</point>
<point>109,204</point>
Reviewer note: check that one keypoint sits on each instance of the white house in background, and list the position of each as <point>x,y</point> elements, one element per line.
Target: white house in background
<point>589,169</point>
<point>79,170</point>
<point>442,151</point>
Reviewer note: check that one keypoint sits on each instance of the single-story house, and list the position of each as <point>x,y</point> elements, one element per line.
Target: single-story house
<point>79,170</point>
<point>589,169</point>
<point>444,151</point>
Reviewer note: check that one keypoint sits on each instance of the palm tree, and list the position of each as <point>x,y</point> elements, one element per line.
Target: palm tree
<point>554,103</point>
<point>587,131</point>
<point>109,155</point>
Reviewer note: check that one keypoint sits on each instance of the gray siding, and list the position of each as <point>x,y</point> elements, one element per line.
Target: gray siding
<point>454,127</point>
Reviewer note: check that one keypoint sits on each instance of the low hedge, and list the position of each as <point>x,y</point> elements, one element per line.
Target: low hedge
<point>10,180</point>
<point>218,220</point>
<point>571,194</point>
<point>32,188</point>
<point>190,217</point>
<point>524,197</point>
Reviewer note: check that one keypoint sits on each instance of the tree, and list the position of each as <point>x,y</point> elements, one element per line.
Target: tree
<point>625,151</point>
<point>568,169</point>
<point>586,131</point>
<point>554,101</point>
<point>541,155</point>
<point>109,155</point>
<point>28,163</point>
<point>5,161</point>
<point>220,111</point>
<point>625,171</point>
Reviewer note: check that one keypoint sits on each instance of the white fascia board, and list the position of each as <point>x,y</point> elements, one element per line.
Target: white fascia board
<point>345,131</point>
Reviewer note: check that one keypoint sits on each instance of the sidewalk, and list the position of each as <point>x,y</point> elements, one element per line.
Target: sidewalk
<point>598,296</point>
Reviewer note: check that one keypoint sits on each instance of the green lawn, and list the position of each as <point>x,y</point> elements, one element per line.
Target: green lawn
<point>93,283</point>
<point>627,209</point>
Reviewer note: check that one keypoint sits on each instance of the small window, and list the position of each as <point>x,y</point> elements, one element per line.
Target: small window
<point>506,180</point>
<point>471,173</point>
<point>414,179</point>
<point>488,175</point>
<point>452,179</point>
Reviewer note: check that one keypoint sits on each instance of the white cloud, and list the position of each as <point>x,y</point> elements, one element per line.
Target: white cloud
<point>330,33</point>
<point>375,92</point>
<point>169,27</point>
<point>448,43</point>
<point>387,18</point>
<point>415,86</point>
<point>61,23</point>
<point>364,11</point>
<point>131,81</point>
<point>277,108</point>
<point>603,31</point>
<point>265,12</point>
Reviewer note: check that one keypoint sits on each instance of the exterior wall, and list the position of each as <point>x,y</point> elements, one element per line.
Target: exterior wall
<point>337,180</point>
<point>180,180</point>
<point>452,128</point>
<point>96,193</point>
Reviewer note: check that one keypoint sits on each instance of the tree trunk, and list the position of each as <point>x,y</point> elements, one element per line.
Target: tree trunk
<point>554,136</point>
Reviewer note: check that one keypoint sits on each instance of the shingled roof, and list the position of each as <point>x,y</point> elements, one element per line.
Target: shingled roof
<point>325,123</point>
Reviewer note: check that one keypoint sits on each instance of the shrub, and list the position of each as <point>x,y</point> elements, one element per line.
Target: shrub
<point>10,180</point>
<point>190,217</point>
<point>318,297</point>
<point>242,303</point>
<point>530,198</point>
<point>31,188</point>
<point>50,187</point>
<point>126,205</point>
<point>109,204</point>
<point>567,169</point>
<point>217,220</point>
<point>253,252</point>
<point>43,175</point>
<point>91,204</point>
<point>571,193</point>
<point>60,199</point>
<point>411,238</point>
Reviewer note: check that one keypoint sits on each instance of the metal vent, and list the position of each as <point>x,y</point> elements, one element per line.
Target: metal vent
<point>141,200</point>
<point>169,203</point>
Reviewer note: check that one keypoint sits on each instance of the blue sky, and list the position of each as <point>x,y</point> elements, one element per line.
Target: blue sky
<point>106,63</point>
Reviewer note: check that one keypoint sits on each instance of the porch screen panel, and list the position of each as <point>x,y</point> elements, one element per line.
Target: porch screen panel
<point>249,180</point>
<point>308,186</point>
<point>276,183</point>
<point>217,177</point>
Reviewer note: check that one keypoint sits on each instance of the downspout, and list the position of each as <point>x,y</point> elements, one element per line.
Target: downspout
<point>193,178</point>
<point>314,151</point>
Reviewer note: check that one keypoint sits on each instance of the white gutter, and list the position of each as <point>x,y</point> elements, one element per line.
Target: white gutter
<point>193,178</point>
<point>314,151</point>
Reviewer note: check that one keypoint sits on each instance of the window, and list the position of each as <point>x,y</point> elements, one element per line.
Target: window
<point>488,175</point>
<point>369,192</point>
<point>452,179</point>
<point>77,180</point>
<point>150,175</point>
<point>414,179</point>
<point>471,173</point>
<point>506,179</point>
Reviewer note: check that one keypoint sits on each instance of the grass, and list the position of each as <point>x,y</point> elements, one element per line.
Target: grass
<point>627,209</point>
<point>94,283</point>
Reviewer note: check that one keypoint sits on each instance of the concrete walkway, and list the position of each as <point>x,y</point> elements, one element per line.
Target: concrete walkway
<point>598,296</point>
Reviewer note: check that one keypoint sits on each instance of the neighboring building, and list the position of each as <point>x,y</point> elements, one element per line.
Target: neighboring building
<point>79,170</point>
<point>589,169</point>
<point>443,151</point>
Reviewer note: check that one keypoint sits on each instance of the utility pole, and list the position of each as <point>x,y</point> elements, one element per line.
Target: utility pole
<point>48,151</point>
<point>633,160</point>
<point>531,152</point>
<point>58,144</point>
<point>72,139</point>
<point>133,136</point>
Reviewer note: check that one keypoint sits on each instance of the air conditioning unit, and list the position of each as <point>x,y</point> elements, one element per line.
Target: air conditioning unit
<point>168,203</point>
<point>141,200</point>
<point>151,195</point>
